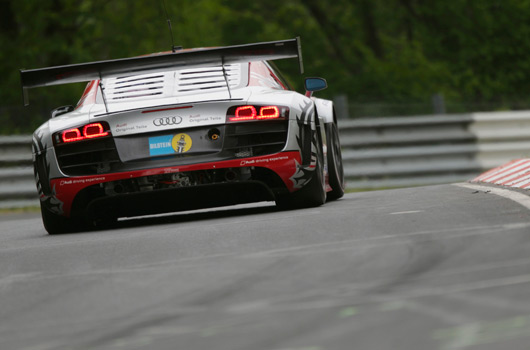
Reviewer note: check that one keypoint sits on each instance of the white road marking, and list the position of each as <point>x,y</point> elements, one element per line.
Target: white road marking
<point>407,212</point>
<point>517,197</point>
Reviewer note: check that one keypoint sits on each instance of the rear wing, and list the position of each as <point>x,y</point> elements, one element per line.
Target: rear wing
<point>76,73</point>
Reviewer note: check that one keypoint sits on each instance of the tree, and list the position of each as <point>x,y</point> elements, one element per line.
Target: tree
<point>375,51</point>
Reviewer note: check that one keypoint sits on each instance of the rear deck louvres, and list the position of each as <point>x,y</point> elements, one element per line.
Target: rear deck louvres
<point>135,87</point>
<point>208,78</point>
<point>172,83</point>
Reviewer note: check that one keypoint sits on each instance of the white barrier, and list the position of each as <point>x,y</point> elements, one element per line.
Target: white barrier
<point>17,183</point>
<point>432,149</point>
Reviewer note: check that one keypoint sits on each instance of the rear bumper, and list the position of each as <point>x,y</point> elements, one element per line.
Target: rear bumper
<point>67,190</point>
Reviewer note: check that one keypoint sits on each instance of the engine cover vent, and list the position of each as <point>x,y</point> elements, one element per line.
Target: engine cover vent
<point>131,88</point>
<point>208,78</point>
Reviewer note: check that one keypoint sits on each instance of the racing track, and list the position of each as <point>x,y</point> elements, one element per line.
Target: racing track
<point>440,267</point>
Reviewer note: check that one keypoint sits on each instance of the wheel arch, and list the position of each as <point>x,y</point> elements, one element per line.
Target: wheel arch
<point>325,110</point>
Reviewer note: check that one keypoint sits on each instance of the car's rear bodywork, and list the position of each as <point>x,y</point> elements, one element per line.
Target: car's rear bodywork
<point>194,129</point>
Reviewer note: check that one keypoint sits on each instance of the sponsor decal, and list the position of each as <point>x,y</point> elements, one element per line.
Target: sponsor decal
<point>176,120</point>
<point>169,144</point>
<point>129,128</point>
<point>125,127</point>
<point>197,119</point>
<point>203,119</point>
<point>167,121</point>
<point>81,181</point>
<point>160,145</point>
<point>181,143</point>
<point>263,160</point>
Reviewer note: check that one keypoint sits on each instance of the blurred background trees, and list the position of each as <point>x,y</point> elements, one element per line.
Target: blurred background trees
<point>389,57</point>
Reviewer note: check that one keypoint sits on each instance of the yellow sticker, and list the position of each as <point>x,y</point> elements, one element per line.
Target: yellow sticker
<point>181,143</point>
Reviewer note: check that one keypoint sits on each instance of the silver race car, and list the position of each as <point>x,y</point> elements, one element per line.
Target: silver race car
<point>183,130</point>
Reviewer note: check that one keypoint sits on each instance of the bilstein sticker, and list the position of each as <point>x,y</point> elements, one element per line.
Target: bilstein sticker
<point>181,143</point>
<point>169,144</point>
<point>160,145</point>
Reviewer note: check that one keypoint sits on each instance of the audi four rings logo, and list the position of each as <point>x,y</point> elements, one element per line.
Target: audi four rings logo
<point>167,121</point>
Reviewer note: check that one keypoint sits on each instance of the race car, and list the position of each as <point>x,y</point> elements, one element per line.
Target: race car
<point>183,130</point>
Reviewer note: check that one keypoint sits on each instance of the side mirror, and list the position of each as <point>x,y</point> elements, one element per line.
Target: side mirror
<point>314,84</point>
<point>61,110</point>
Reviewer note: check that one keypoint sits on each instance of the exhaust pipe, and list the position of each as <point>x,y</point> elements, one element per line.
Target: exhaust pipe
<point>231,175</point>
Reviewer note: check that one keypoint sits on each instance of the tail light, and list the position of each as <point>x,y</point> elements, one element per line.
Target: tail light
<point>269,112</point>
<point>250,113</point>
<point>71,135</point>
<point>244,113</point>
<point>89,131</point>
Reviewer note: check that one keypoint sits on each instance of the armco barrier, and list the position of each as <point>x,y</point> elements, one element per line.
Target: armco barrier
<point>17,184</point>
<point>423,150</point>
<point>377,152</point>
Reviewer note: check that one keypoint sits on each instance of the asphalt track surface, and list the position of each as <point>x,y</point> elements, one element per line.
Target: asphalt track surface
<point>440,267</point>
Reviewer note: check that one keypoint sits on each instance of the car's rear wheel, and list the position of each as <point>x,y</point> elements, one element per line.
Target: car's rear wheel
<point>56,224</point>
<point>335,166</point>
<point>312,194</point>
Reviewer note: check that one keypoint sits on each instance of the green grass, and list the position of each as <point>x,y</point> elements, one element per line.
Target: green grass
<point>34,209</point>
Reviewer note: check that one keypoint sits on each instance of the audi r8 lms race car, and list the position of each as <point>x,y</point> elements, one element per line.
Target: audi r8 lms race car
<point>183,130</point>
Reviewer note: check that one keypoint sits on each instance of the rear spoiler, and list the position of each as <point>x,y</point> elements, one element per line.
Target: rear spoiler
<point>75,73</point>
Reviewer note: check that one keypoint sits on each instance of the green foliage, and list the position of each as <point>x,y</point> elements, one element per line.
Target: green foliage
<point>375,51</point>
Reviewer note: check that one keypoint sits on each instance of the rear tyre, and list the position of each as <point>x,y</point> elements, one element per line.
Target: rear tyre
<point>335,166</point>
<point>57,224</point>
<point>312,194</point>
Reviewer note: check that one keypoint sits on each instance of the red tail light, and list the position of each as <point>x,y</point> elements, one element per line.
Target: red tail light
<point>72,135</point>
<point>94,130</point>
<point>269,112</point>
<point>249,113</point>
<point>244,113</point>
<point>89,131</point>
